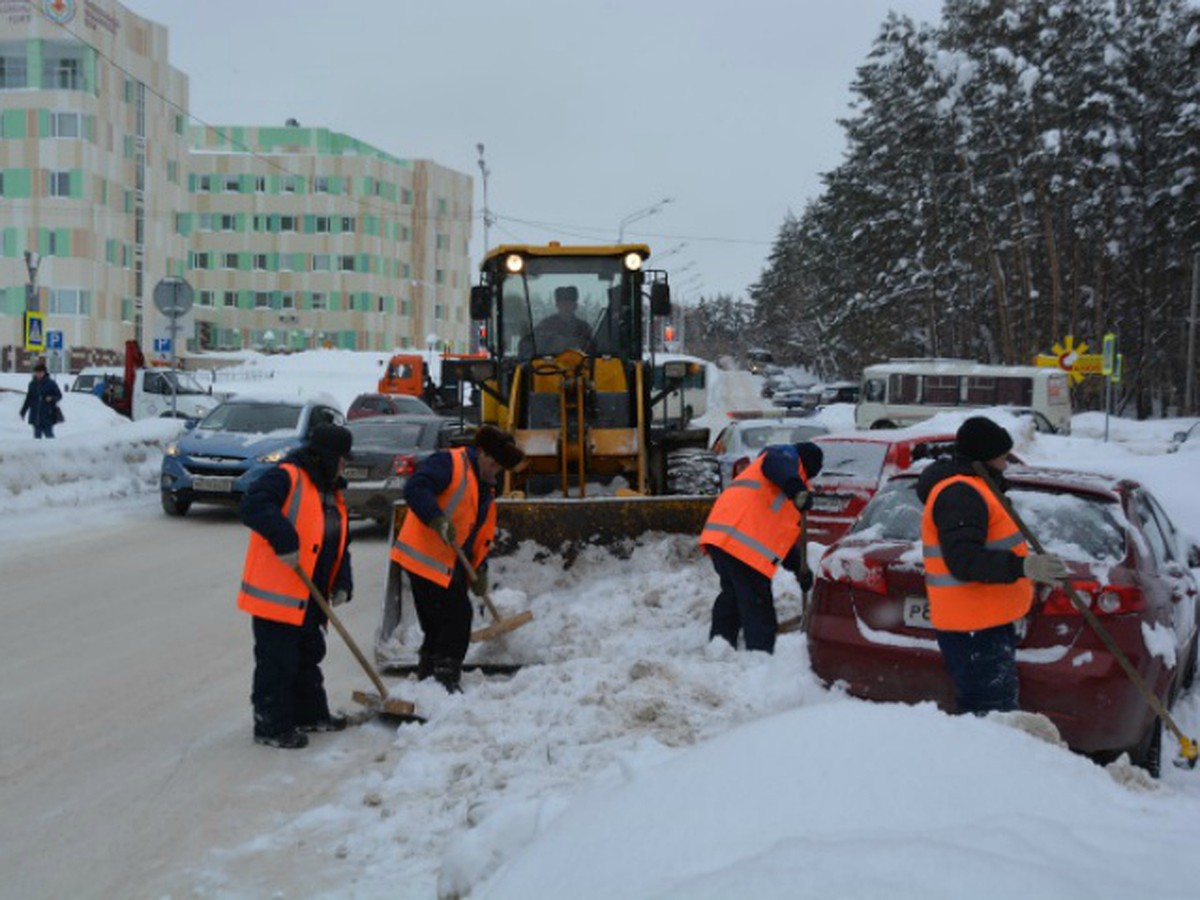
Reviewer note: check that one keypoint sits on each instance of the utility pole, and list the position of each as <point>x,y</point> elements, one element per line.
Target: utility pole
<point>1190,379</point>
<point>32,261</point>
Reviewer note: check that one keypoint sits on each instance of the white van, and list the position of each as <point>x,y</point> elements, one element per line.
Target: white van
<point>903,391</point>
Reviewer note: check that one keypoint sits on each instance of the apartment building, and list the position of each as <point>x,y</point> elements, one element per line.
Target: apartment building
<point>291,237</point>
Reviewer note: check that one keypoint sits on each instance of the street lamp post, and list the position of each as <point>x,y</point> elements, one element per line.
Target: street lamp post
<point>484,172</point>
<point>641,214</point>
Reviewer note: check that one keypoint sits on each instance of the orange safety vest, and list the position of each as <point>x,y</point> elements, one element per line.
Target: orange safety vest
<point>420,550</point>
<point>753,520</point>
<point>971,605</point>
<point>270,589</point>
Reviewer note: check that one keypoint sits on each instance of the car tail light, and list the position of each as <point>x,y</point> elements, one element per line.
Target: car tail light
<point>404,465</point>
<point>1105,600</point>
<point>740,466</point>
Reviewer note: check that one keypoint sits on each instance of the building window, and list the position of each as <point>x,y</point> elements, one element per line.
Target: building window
<point>322,224</point>
<point>173,171</point>
<point>319,301</point>
<point>232,184</point>
<point>439,276</point>
<point>14,66</point>
<point>62,66</point>
<point>230,261</point>
<point>285,262</point>
<point>260,262</point>
<point>70,302</point>
<point>205,222</point>
<point>320,184</point>
<point>322,262</point>
<point>260,184</point>
<point>204,184</point>
<point>288,184</point>
<point>348,224</point>
<point>60,184</point>
<point>262,300</point>
<point>287,300</point>
<point>287,223</point>
<point>228,222</point>
<point>346,263</point>
<point>230,299</point>
<point>443,242</point>
<point>406,196</point>
<point>200,260</point>
<point>52,243</point>
<point>65,124</point>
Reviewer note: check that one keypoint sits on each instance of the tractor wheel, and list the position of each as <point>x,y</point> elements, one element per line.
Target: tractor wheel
<point>1148,752</point>
<point>692,470</point>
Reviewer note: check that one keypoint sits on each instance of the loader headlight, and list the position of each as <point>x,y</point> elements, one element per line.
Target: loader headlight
<point>633,261</point>
<point>514,263</point>
<point>172,449</point>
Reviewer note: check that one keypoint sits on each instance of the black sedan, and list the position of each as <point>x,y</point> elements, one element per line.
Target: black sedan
<point>387,449</point>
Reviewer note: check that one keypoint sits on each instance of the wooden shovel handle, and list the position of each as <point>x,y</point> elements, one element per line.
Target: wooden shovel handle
<point>472,575</point>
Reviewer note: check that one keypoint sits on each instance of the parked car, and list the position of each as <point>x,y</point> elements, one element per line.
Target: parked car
<point>854,468</point>
<point>387,449</point>
<point>365,405</point>
<point>870,626</point>
<point>217,459</point>
<point>749,433</point>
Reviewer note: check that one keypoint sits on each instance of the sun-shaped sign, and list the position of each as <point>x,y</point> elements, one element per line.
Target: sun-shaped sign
<point>1072,358</point>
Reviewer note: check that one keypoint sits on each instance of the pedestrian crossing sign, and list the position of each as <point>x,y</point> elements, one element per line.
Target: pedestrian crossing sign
<point>35,332</point>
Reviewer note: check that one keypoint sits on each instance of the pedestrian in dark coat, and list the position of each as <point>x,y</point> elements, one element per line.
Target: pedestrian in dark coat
<point>41,402</point>
<point>753,528</point>
<point>298,517</point>
<point>978,568</point>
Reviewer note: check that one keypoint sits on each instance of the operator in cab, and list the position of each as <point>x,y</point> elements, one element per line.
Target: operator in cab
<point>564,330</point>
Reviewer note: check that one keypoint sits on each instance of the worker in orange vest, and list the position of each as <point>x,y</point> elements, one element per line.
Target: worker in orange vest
<point>979,572</point>
<point>297,518</point>
<point>451,502</point>
<point>752,529</point>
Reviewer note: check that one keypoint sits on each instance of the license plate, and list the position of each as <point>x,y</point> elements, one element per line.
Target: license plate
<point>354,473</point>
<point>216,484</point>
<point>916,612</point>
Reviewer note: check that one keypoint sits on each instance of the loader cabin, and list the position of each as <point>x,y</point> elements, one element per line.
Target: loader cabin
<point>566,333</point>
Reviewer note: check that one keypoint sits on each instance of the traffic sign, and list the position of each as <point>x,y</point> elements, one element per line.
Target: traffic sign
<point>35,332</point>
<point>54,340</point>
<point>1110,353</point>
<point>162,345</point>
<point>173,296</point>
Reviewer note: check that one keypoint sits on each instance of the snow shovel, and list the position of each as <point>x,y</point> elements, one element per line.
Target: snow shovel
<point>377,704</point>
<point>800,622</point>
<point>500,625</point>
<point>1188,751</point>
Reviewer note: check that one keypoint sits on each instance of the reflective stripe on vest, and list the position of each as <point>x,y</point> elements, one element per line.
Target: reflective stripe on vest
<point>753,520</point>
<point>956,605</point>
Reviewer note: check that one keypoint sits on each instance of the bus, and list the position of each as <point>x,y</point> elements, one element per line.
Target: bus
<point>903,391</point>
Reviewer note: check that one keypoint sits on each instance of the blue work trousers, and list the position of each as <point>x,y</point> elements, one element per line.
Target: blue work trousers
<point>983,667</point>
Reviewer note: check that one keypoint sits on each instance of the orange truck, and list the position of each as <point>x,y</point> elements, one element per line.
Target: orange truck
<point>405,375</point>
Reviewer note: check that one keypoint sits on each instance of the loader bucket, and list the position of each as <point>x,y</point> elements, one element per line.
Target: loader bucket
<point>565,524</point>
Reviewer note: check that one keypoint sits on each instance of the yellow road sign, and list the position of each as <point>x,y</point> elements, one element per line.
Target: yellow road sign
<point>1072,358</point>
<point>35,332</point>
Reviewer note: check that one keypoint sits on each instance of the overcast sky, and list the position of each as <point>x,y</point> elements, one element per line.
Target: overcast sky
<point>589,112</point>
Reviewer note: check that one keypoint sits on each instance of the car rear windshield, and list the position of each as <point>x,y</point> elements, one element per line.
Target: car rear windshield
<point>252,418</point>
<point>851,461</point>
<point>389,435</point>
<point>1077,526</point>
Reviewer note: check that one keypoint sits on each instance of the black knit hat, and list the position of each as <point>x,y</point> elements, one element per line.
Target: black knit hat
<point>980,439</point>
<point>331,440</point>
<point>811,457</point>
<point>500,446</point>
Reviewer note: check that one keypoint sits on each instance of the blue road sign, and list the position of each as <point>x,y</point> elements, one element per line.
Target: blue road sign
<point>54,340</point>
<point>162,345</point>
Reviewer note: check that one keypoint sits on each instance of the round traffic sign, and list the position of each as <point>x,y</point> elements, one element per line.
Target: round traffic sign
<point>173,296</point>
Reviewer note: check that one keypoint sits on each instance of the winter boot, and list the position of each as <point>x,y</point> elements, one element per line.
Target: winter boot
<point>424,666</point>
<point>327,723</point>
<point>285,740</point>
<point>448,673</point>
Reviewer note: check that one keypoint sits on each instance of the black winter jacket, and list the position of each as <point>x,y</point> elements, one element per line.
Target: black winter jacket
<point>961,517</point>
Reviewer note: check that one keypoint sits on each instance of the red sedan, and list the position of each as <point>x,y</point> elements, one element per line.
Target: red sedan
<point>870,626</point>
<point>854,468</point>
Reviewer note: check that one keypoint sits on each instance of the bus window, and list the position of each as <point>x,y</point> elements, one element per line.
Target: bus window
<point>941,390</point>
<point>1014,391</point>
<point>874,390</point>
<point>904,389</point>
